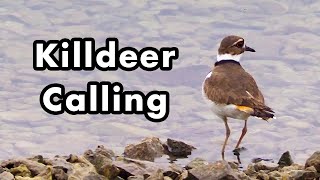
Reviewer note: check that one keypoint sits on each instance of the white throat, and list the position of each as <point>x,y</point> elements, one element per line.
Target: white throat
<point>221,57</point>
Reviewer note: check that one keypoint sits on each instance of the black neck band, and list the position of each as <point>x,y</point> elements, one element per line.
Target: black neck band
<point>226,61</point>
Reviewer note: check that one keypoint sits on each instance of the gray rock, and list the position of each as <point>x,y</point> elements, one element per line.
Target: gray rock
<point>43,175</point>
<point>275,175</point>
<point>174,171</point>
<point>133,167</point>
<point>311,168</point>
<point>234,165</point>
<point>83,169</point>
<point>185,175</point>
<point>262,176</point>
<point>250,171</point>
<point>6,176</point>
<point>303,175</point>
<point>47,174</point>
<point>148,149</point>
<point>297,172</point>
<point>158,175</point>
<point>34,166</point>
<point>178,148</point>
<point>105,152</point>
<point>94,176</point>
<point>243,176</point>
<point>292,167</point>
<point>47,161</point>
<point>59,173</point>
<point>285,159</point>
<point>171,174</point>
<point>265,165</point>
<point>102,163</point>
<point>38,158</point>
<point>109,170</point>
<point>130,167</point>
<point>175,167</point>
<point>314,160</point>
<point>61,163</point>
<point>217,170</point>
<point>196,162</point>
<point>139,177</point>
<point>72,158</point>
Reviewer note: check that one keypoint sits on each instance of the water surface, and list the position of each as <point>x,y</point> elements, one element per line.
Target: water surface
<point>286,67</point>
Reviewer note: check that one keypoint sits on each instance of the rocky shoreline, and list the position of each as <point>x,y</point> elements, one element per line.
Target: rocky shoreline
<point>136,163</point>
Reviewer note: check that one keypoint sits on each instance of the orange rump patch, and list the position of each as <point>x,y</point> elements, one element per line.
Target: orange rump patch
<point>246,109</point>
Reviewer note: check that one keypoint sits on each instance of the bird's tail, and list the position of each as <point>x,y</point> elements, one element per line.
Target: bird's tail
<point>264,112</point>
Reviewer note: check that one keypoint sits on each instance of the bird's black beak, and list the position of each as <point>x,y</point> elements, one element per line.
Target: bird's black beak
<point>247,48</point>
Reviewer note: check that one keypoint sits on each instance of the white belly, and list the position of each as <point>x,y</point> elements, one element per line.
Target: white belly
<point>230,110</point>
<point>224,110</point>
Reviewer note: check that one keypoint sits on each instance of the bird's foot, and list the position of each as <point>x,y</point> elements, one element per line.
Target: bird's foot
<point>237,151</point>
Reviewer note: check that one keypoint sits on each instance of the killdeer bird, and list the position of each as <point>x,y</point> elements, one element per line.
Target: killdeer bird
<point>231,91</point>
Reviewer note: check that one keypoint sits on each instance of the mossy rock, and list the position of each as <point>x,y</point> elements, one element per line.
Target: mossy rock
<point>21,170</point>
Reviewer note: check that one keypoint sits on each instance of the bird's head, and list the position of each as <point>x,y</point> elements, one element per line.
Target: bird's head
<point>231,48</point>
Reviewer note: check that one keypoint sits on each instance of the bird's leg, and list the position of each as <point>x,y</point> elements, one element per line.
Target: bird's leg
<point>227,136</point>
<point>244,131</point>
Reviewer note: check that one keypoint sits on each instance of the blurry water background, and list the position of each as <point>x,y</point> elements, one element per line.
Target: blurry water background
<point>286,67</point>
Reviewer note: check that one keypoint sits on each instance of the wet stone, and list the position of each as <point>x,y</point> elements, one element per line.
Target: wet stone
<point>104,151</point>
<point>72,158</point>
<point>314,160</point>
<point>6,176</point>
<point>59,173</point>
<point>178,149</point>
<point>158,175</point>
<point>148,149</point>
<point>262,176</point>
<point>285,159</point>
<point>93,176</point>
<point>303,175</point>
<point>217,170</point>
<point>38,158</point>
<point>196,163</point>
<point>102,163</point>
<point>263,165</point>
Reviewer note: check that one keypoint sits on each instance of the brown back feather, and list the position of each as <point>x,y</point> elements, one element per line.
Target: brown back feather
<point>229,84</point>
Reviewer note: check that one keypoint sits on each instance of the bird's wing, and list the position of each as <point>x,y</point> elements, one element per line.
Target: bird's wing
<point>240,90</point>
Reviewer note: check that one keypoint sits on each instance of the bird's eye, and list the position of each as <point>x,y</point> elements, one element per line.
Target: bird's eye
<point>240,44</point>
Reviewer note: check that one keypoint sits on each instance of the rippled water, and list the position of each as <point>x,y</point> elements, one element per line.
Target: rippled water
<point>286,66</point>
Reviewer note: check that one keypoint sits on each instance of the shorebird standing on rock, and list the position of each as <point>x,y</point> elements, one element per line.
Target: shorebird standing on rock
<point>231,91</point>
